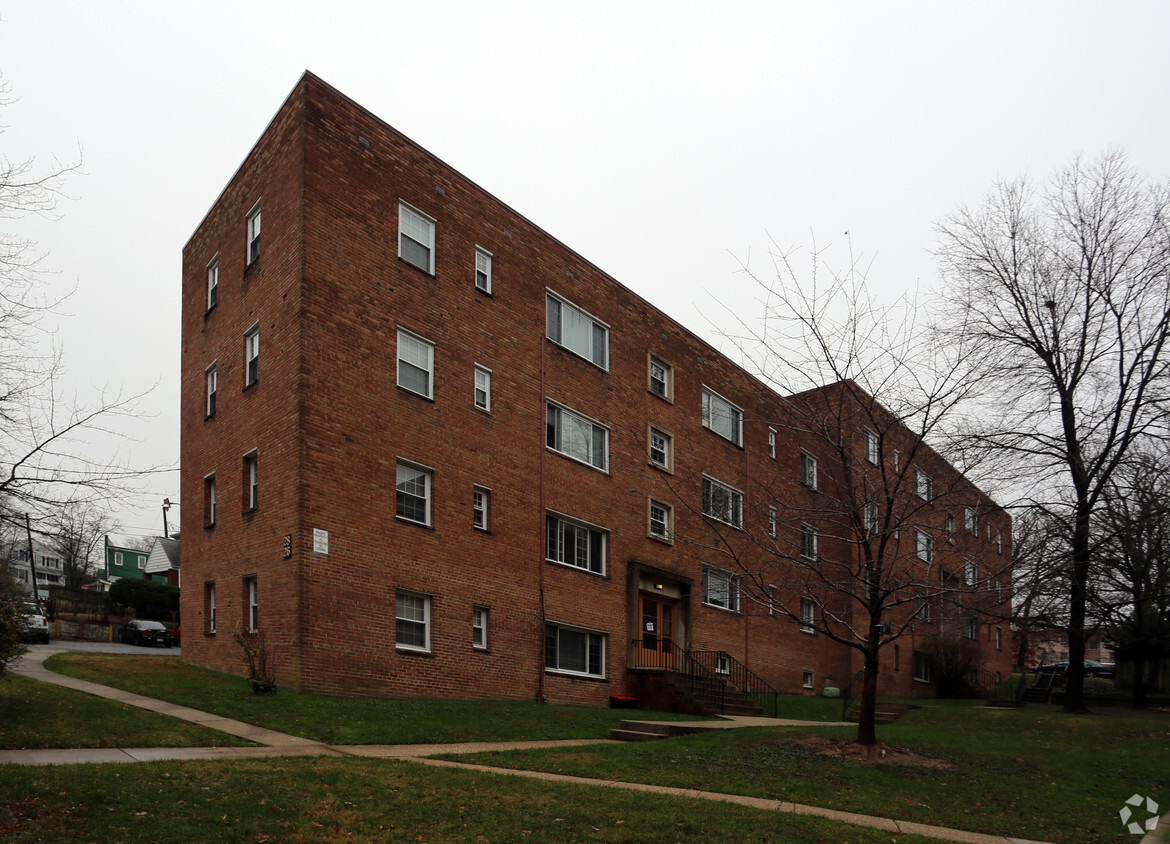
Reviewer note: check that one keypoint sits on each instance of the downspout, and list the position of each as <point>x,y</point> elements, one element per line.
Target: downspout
<point>540,537</point>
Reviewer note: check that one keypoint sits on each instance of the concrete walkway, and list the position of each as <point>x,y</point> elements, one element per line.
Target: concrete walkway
<point>280,744</point>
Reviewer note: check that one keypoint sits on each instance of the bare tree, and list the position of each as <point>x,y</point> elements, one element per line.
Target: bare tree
<point>43,435</point>
<point>75,532</point>
<point>864,552</point>
<point>1067,292</point>
<point>1039,581</point>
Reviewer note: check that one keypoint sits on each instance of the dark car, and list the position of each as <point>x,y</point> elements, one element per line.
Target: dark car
<point>139,632</point>
<point>1092,668</point>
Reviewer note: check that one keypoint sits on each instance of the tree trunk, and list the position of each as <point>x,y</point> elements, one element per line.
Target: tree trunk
<point>866,716</point>
<point>1074,692</point>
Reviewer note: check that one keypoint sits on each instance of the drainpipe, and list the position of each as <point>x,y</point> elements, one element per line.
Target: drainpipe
<point>540,533</point>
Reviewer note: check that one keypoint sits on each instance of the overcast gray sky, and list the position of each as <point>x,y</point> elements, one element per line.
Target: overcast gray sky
<point>661,140</point>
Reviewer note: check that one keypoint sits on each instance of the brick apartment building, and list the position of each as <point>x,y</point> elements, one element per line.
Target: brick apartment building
<point>464,462</point>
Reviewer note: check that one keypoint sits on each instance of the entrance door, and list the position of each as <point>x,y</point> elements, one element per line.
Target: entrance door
<point>656,631</point>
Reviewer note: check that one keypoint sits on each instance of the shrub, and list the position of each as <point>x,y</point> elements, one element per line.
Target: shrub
<point>12,615</point>
<point>145,599</point>
<point>256,658</point>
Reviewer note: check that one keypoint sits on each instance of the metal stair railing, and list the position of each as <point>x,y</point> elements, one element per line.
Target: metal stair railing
<point>851,692</point>
<point>1010,690</point>
<point>754,687</point>
<point>669,656</point>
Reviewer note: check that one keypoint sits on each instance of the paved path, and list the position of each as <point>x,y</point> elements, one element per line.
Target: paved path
<point>273,743</point>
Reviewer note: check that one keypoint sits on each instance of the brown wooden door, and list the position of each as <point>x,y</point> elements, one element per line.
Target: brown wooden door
<point>656,616</point>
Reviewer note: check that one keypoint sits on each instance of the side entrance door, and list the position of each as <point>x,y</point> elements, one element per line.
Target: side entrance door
<point>656,631</point>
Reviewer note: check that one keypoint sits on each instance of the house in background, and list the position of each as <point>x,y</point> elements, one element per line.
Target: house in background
<point>49,571</point>
<point>163,563</point>
<point>121,561</point>
<point>465,462</point>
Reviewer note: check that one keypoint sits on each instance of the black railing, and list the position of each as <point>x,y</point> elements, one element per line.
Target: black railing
<point>1010,690</point>
<point>654,652</point>
<point>739,676</point>
<point>851,692</point>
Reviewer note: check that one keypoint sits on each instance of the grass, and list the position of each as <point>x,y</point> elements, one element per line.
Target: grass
<point>1031,773</point>
<point>38,715</point>
<point>807,707</point>
<point>337,720</point>
<point>317,800</point>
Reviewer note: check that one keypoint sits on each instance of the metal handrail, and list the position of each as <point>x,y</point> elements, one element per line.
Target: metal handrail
<point>848,694</point>
<point>678,660</point>
<point>739,676</point>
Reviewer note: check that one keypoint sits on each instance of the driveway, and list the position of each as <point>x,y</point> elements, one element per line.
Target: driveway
<point>103,648</point>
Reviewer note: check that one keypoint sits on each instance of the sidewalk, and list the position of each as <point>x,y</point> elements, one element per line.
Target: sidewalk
<point>273,743</point>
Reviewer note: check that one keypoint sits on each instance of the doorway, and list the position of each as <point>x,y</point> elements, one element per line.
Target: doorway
<point>656,619</point>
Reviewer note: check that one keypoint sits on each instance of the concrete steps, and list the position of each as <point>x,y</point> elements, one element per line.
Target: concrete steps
<point>654,730</point>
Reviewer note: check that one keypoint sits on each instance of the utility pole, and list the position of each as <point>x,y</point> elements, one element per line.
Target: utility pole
<point>32,560</point>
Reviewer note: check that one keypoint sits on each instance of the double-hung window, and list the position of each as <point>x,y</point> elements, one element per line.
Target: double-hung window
<point>970,573</point>
<point>480,497</point>
<point>479,627</point>
<point>924,546</point>
<point>209,500</point>
<point>413,493</point>
<point>252,356</point>
<point>772,522</point>
<point>209,606</point>
<point>871,447</point>
<point>722,502</point>
<point>971,521</point>
<point>720,589</point>
<point>483,388</point>
<point>574,651</point>
<point>483,270</point>
<point>416,238</point>
<point>872,516</point>
<point>574,543</point>
<point>808,615</point>
<point>251,480</point>
<point>661,447</point>
<point>921,667</point>
<point>722,417</point>
<point>921,608</point>
<point>569,326</point>
<point>213,282</point>
<point>949,527</point>
<point>659,519</point>
<point>808,542</point>
<point>969,628</point>
<point>253,234</point>
<point>999,542</point>
<point>576,436</point>
<point>252,601</point>
<point>212,386</point>
<point>416,363</point>
<point>412,620</point>
<point>808,470</point>
<point>660,378</point>
<point>772,443</point>
<point>924,486</point>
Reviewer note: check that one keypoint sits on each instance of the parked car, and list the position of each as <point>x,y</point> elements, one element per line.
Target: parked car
<point>36,626</point>
<point>139,632</point>
<point>1092,668</point>
<point>175,632</point>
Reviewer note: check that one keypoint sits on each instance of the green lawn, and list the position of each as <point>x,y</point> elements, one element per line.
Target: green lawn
<point>337,720</point>
<point>1031,773</point>
<point>38,715</point>
<point>361,800</point>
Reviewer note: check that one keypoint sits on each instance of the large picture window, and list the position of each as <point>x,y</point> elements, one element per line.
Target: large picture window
<point>576,436</point>
<point>722,417</point>
<point>574,543</point>
<point>722,502</point>
<point>574,651</point>
<point>569,326</point>
<point>720,589</point>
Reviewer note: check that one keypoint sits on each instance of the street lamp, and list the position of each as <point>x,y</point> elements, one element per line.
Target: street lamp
<point>166,506</point>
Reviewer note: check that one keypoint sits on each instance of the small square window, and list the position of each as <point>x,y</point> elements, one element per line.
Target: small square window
<point>413,493</point>
<point>722,663</point>
<point>416,362</point>
<point>807,679</point>
<point>252,356</point>
<point>416,238</point>
<point>808,542</point>
<point>412,620</point>
<point>212,386</point>
<point>661,448</point>
<point>213,282</point>
<point>253,234</point>
<point>660,516</point>
<point>480,498</point>
<point>483,270</point>
<point>483,388</point>
<point>479,627</point>
<point>808,470</point>
<point>871,447</point>
<point>660,378</point>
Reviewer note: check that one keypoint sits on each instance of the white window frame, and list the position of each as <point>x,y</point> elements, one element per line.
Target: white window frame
<point>731,512</point>
<point>664,522</point>
<point>252,479</point>
<point>118,559</point>
<point>419,229</point>
<point>720,589</point>
<point>921,608</point>
<point>667,463</point>
<point>252,247</point>
<point>210,590</point>
<point>211,376</point>
<point>808,679</point>
<point>772,519</point>
<point>252,355</point>
<point>772,443</point>
<point>722,663</point>
<point>555,417</point>
<point>970,573</point>
<point>556,308</point>
<point>479,628</point>
<point>483,270</point>
<point>209,499</point>
<point>808,470</point>
<point>578,530</point>
<point>722,417</point>
<point>213,281</point>
<point>808,615</point>
<point>666,391</point>
<point>482,395</point>
<point>872,518</point>
<point>871,446</point>
<point>971,521</point>
<point>253,599</point>
<point>949,527</point>
<point>481,498</point>
<point>400,618</point>
<point>923,485</point>
<point>418,354</point>
<point>808,541</point>
<point>409,472</point>
<point>924,546</point>
<point>592,639</point>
